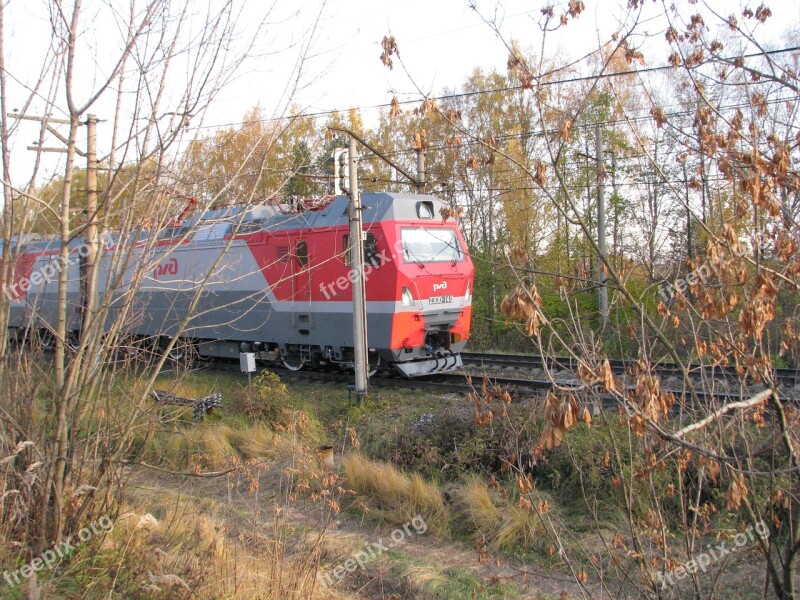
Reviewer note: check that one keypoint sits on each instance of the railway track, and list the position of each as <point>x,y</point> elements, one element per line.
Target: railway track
<point>525,375</point>
<point>519,384</point>
<point>784,377</point>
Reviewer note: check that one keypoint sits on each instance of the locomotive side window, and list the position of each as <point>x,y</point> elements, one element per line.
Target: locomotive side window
<point>371,254</point>
<point>302,253</point>
<point>421,245</point>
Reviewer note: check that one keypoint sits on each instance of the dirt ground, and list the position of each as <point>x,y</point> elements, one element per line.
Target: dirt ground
<point>404,571</point>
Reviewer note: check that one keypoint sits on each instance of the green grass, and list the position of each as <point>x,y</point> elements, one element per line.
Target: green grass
<point>462,583</point>
<point>436,582</point>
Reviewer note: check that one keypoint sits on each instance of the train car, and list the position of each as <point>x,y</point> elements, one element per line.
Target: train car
<point>278,283</point>
<point>33,293</point>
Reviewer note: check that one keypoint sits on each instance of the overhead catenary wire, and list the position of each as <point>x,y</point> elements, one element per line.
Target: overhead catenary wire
<point>589,125</point>
<point>510,88</point>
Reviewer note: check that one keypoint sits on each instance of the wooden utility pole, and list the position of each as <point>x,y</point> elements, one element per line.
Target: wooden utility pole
<point>421,170</point>
<point>88,283</point>
<point>602,289</point>
<point>89,275</point>
<point>358,285</point>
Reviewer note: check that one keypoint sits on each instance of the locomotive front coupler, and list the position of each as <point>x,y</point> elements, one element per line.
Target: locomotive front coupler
<point>437,341</point>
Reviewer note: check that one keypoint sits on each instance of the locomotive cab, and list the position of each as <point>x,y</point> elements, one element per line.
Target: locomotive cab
<point>434,281</point>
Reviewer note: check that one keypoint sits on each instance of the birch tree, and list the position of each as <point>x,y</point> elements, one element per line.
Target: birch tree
<point>153,80</point>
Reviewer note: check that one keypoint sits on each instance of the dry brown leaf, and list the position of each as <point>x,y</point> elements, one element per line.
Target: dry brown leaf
<point>389,48</point>
<point>540,173</point>
<point>658,114</point>
<point>566,128</point>
<point>395,111</point>
<point>737,492</point>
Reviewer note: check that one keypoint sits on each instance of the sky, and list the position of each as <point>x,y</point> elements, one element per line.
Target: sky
<point>440,42</point>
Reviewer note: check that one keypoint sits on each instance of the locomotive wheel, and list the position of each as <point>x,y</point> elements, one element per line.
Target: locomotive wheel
<point>293,361</point>
<point>130,349</point>
<point>376,367</point>
<point>73,340</point>
<point>47,341</point>
<point>182,350</point>
<point>177,353</point>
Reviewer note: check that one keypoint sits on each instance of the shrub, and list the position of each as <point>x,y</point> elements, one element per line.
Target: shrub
<point>266,398</point>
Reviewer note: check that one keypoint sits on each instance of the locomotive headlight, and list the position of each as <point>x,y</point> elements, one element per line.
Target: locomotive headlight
<point>467,294</point>
<point>406,298</point>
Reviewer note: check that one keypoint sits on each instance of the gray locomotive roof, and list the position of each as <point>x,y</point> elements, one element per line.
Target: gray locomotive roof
<point>234,213</point>
<point>29,240</point>
<point>379,206</point>
<point>50,245</point>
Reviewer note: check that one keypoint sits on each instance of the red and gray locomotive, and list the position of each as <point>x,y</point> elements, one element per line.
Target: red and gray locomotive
<point>276,282</point>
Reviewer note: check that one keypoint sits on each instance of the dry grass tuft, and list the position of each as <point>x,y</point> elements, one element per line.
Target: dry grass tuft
<point>398,496</point>
<point>503,523</point>
<point>213,442</point>
<point>519,529</point>
<point>478,508</point>
<point>193,553</point>
<point>257,441</point>
<point>213,445</point>
<point>182,447</point>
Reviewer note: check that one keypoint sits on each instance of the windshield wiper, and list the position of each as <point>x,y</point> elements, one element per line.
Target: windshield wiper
<point>415,258</point>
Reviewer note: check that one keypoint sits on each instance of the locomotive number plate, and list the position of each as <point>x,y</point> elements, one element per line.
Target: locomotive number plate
<point>440,299</point>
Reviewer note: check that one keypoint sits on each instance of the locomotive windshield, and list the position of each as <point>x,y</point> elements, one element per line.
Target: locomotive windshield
<point>423,245</point>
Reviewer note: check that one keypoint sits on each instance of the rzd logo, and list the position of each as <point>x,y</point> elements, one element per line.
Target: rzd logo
<point>439,286</point>
<point>168,268</point>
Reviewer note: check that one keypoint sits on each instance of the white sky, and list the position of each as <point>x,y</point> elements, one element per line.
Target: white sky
<point>440,41</point>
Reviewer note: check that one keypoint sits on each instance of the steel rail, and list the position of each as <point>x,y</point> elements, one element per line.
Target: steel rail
<point>458,383</point>
<point>785,376</point>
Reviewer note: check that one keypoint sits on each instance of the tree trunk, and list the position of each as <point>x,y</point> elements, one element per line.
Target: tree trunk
<point>7,271</point>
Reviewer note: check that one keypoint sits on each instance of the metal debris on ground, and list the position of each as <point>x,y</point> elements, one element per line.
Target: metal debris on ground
<point>200,407</point>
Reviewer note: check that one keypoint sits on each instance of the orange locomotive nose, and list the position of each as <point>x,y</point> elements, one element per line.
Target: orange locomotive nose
<point>408,330</point>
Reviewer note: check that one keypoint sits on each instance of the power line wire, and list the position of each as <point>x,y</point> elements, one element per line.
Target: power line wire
<point>514,88</point>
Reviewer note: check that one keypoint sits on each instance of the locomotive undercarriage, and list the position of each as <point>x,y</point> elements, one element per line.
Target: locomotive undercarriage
<point>437,355</point>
